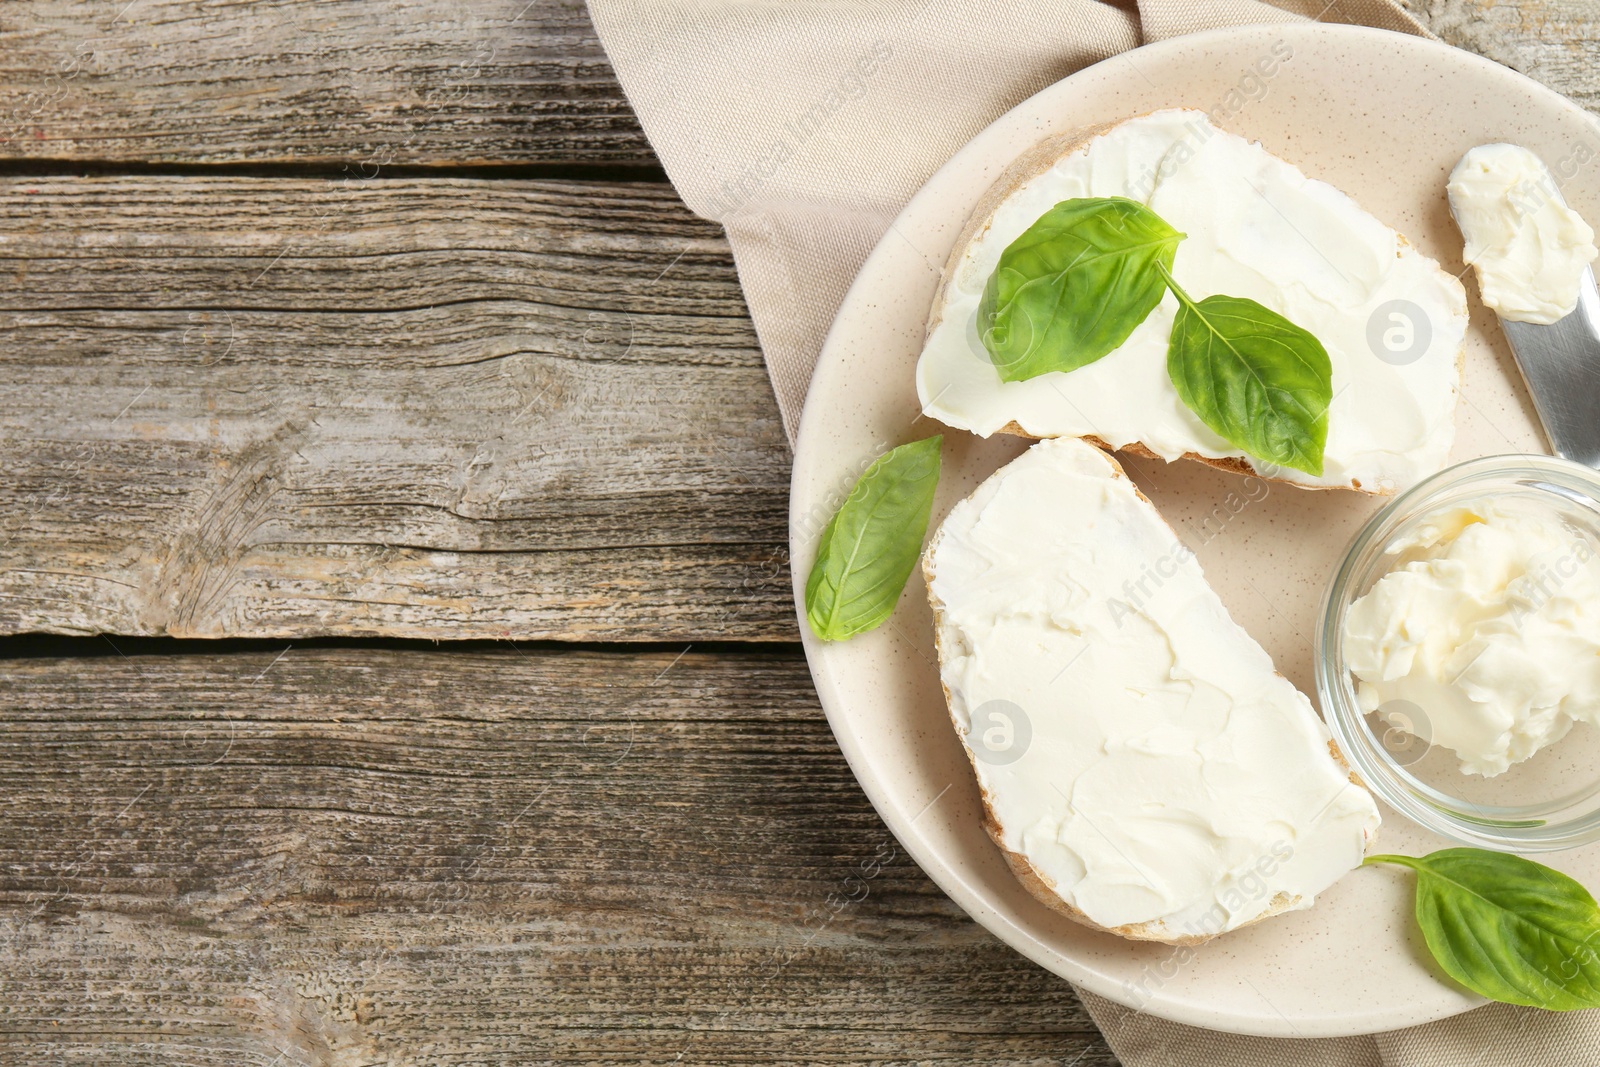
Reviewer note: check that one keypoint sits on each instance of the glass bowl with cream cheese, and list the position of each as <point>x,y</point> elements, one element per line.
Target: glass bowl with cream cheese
<point>1459,654</point>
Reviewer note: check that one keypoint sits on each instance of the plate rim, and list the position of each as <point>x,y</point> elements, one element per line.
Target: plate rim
<point>945,875</point>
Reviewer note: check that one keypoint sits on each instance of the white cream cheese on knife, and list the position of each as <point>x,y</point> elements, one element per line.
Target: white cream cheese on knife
<point>1172,777</point>
<point>1526,245</point>
<point>1257,228</point>
<point>1488,631</point>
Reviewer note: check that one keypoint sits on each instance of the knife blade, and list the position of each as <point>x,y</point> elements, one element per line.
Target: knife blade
<point>1561,364</point>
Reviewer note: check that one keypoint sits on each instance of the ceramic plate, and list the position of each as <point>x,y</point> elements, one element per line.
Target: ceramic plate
<point>1381,116</point>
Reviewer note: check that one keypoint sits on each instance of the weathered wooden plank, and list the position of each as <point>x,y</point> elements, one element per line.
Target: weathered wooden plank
<point>414,82</point>
<point>419,408</point>
<point>487,855</point>
<point>1554,41</point>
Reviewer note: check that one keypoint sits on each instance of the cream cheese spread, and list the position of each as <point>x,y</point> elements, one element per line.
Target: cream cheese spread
<point>1526,245</point>
<point>1485,638</point>
<point>1171,779</point>
<point>1391,321</point>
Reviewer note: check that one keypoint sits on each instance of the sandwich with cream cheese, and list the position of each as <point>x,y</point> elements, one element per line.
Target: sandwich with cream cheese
<point>1144,768</point>
<point>1391,321</point>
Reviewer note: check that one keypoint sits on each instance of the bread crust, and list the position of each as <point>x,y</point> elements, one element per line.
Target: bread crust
<point>1036,161</point>
<point>1033,880</point>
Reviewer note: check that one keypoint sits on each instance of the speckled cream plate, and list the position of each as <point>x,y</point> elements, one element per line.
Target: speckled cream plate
<point>1381,116</point>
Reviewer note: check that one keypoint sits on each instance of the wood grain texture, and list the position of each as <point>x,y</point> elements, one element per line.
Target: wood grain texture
<point>1556,42</point>
<point>410,82</point>
<point>439,408</point>
<point>490,855</point>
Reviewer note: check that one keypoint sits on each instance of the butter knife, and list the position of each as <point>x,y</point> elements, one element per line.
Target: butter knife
<point>1561,364</point>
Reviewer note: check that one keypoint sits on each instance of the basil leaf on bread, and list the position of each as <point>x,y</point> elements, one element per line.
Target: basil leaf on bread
<point>1082,278</point>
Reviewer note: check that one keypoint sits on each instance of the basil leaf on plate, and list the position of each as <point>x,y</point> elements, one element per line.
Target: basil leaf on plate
<point>1508,928</point>
<point>1260,382</point>
<point>1074,285</point>
<point>871,546</point>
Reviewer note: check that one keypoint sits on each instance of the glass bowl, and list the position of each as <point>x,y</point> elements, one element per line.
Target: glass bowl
<point>1548,802</point>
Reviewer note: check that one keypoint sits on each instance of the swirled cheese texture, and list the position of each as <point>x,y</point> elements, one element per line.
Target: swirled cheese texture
<point>1133,743</point>
<point>1486,637</point>
<point>1527,247</point>
<point>1392,322</point>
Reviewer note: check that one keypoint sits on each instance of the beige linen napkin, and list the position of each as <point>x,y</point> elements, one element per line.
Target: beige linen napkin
<point>803,127</point>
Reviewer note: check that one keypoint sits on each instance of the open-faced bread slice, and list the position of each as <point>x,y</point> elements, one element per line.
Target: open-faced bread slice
<point>1391,321</point>
<point>1143,766</point>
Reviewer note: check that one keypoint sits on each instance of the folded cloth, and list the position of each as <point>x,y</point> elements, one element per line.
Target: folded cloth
<point>804,127</point>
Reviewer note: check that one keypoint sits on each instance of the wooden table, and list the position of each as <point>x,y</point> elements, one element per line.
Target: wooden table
<point>393,541</point>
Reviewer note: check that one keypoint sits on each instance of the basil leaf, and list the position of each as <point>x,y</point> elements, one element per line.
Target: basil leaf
<point>1260,382</point>
<point>1074,285</point>
<point>871,546</point>
<point>1508,928</point>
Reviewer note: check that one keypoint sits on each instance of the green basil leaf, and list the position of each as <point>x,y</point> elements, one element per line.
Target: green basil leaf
<point>1508,928</point>
<point>1260,382</point>
<point>871,546</point>
<point>1074,285</point>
